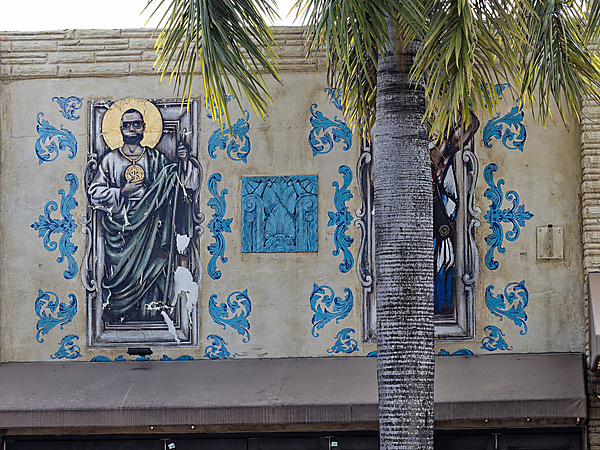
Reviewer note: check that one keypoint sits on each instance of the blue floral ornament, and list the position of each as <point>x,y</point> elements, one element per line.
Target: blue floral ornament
<point>341,219</point>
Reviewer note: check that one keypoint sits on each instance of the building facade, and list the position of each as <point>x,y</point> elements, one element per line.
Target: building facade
<point>166,283</point>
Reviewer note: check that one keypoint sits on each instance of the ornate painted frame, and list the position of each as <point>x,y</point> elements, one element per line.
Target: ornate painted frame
<point>462,325</point>
<point>177,121</point>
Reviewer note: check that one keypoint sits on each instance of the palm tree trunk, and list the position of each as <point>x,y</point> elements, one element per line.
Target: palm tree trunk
<point>403,258</point>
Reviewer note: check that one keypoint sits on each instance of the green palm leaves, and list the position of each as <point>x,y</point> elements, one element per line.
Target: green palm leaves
<point>228,39</point>
<point>540,47</point>
<point>467,48</point>
<point>556,60</point>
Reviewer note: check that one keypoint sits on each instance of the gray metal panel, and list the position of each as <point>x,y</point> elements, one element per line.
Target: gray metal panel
<point>284,391</point>
<point>497,387</point>
<point>142,393</point>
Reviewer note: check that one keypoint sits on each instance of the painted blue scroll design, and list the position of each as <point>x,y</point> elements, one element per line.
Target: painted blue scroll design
<point>280,214</point>
<point>217,349</point>
<point>495,216</point>
<point>217,225</point>
<point>513,140</point>
<point>372,354</point>
<point>52,140</point>
<point>102,358</point>
<point>234,139</point>
<point>510,305</point>
<point>335,95</point>
<point>233,313</point>
<point>344,343</point>
<point>495,340</point>
<point>68,106</point>
<point>67,349</point>
<point>327,307</point>
<point>326,132</point>
<point>341,219</point>
<point>47,226</point>
<point>51,312</point>
<point>460,352</point>
<point>179,358</point>
<point>499,88</point>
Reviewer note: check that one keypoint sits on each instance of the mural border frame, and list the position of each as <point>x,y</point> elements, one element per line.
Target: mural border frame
<point>100,334</point>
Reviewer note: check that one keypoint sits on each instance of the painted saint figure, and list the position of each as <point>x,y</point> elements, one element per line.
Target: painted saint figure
<point>446,201</point>
<point>147,201</point>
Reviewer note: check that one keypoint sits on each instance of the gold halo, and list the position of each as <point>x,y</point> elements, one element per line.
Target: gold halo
<point>111,122</point>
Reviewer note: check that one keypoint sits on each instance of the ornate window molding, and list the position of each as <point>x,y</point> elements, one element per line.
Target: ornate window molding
<point>458,323</point>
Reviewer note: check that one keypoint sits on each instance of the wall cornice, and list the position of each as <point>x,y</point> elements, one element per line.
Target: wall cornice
<point>113,53</point>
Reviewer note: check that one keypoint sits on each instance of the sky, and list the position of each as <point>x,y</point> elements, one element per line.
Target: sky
<point>41,15</point>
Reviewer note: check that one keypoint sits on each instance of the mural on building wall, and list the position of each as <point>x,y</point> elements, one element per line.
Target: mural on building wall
<point>455,168</point>
<point>234,140</point>
<point>326,306</point>
<point>69,106</point>
<point>494,340</point>
<point>279,214</point>
<point>326,132</point>
<point>217,349</point>
<point>341,219</point>
<point>234,312</point>
<point>511,304</point>
<point>217,226</point>
<point>365,269</point>
<point>495,216</point>
<point>52,141</point>
<point>509,128</point>
<point>67,349</point>
<point>344,342</point>
<point>46,226</point>
<point>142,180</point>
<point>453,217</point>
<point>459,352</point>
<point>120,358</point>
<point>52,312</point>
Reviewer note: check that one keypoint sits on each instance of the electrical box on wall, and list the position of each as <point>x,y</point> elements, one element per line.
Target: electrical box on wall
<point>550,242</point>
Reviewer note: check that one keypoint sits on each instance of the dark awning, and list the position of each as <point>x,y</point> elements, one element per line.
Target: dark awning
<point>510,387</point>
<point>257,393</point>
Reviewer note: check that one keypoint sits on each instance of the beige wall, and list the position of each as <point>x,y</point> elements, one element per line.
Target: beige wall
<point>96,65</point>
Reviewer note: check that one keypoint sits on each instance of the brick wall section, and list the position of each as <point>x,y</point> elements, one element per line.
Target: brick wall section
<point>110,53</point>
<point>590,146</point>
<point>590,198</point>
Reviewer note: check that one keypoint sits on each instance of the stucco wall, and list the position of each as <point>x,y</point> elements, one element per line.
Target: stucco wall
<point>115,64</point>
<point>529,177</point>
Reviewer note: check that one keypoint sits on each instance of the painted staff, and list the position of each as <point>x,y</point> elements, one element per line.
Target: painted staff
<point>183,156</point>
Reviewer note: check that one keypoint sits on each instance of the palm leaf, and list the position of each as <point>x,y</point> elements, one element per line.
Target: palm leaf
<point>468,47</point>
<point>558,66</point>
<point>352,34</point>
<point>231,42</point>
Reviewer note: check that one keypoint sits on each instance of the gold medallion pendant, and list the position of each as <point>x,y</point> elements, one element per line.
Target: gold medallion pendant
<point>134,173</point>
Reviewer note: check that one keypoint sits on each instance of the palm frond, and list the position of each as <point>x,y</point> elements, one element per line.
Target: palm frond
<point>231,42</point>
<point>352,33</point>
<point>469,47</point>
<point>558,65</point>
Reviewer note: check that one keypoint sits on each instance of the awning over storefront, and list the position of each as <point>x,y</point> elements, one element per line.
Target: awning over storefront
<point>256,393</point>
<point>510,387</point>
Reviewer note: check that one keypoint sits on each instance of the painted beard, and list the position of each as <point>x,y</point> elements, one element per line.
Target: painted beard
<point>133,139</point>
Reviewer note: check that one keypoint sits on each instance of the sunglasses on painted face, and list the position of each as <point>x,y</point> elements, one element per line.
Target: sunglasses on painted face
<point>135,124</point>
